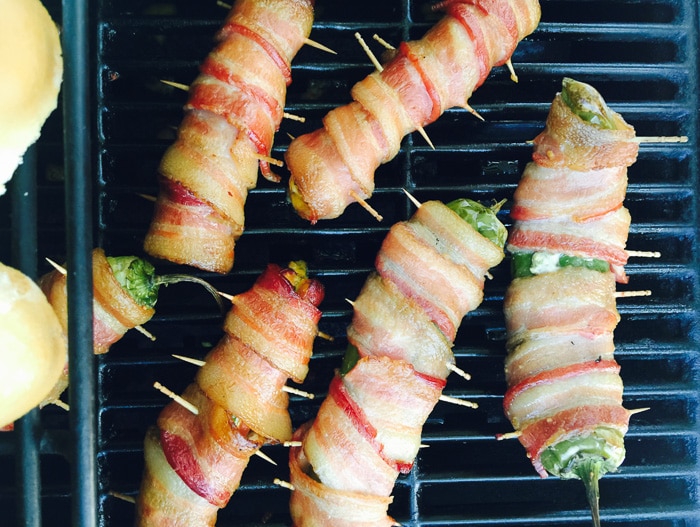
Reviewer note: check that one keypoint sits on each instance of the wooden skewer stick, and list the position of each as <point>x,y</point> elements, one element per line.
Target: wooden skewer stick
<point>226,296</point>
<point>352,303</point>
<point>146,333</point>
<point>282,483</point>
<point>293,117</point>
<point>302,393</point>
<point>175,397</point>
<point>269,159</point>
<point>61,404</point>
<point>474,113</point>
<point>290,444</point>
<point>459,402</point>
<point>380,68</point>
<point>147,197</point>
<point>383,42</point>
<point>369,53</point>
<point>509,435</point>
<point>191,360</point>
<point>459,371</point>
<point>661,139</point>
<point>178,85</point>
<point>325,336</point>
<point>317,45</point>
<point>628,294</point>
<point>123,497</point>
<point>644,254</point>
<point>638,410</point>
<point>511,69</point>
<point>366,205</point>
<point>265,457</point>
<point>412,198</point>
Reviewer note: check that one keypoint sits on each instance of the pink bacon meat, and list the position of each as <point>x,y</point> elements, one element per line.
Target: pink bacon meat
<point>333,166</point>
<point>194,462</point>
<point>234,108</point>
<point>368,429</point>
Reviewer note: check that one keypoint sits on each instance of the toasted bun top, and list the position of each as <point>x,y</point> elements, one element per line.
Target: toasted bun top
<point>32,345</point>
<point>31,69</point>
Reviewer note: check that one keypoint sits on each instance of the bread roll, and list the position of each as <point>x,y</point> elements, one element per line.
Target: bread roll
<point>33,349</point>
<point>31,70</point>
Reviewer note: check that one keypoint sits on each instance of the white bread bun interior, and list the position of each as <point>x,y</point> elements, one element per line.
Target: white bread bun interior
<point>33,349</point>
<point>31,70</point>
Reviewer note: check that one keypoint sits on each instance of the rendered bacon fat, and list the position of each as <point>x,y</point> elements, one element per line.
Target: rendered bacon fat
<point>568,245</point>
<point>429,273</point>
<point>234,108</point>
<point>194,462</point>
<point>334,165</point>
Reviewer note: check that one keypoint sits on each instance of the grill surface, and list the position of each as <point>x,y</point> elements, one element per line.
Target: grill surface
<point>640,54</point>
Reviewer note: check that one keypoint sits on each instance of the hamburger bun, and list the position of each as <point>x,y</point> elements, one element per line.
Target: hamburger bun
<point>33,350</point>
<point>31,69</point>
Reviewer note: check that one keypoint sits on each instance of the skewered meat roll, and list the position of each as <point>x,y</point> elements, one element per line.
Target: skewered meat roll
<point>334,166</point>
<point>234,108</point>
<point>194,462</point>
<point>429,273</point>
<point>564,395</point>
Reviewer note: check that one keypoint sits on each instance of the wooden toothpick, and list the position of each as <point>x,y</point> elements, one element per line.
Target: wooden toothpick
<point>191,360</point>
<point>175,397</point>
<point>628,294</point>
<point>268,159</point>
<point>644,254</point>
<point>61,404</point>
<point>509,435</point>
<point>58,267</point>
<point>178,85</point>
<point>265,457</point>
<point>282,483</point>
<point>121,496</point>
<point>294,391</point>
<point>511,69</point>
<point>412,198</point>
<point>290,444</point>
<point>383,42</point>
<point>459,371</point>
<point>146,333</point>
<point>661,139</point>
<point>317,45</point>
<point>359,199</point>
<point>459,402</point>
<point>293,117</point>
<point>638,410</point>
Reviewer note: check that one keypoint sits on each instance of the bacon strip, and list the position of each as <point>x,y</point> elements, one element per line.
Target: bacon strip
<point>114,309</point>
<point>196,461</point>
<point>368,429</point>
<point>332,166</point>
<point>563,380</point>
<point>234,108</point>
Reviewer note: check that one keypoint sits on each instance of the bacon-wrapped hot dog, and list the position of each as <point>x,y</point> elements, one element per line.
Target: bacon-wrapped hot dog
<point>194,462</point>
<point>234,108</point>
<point>429,273</point>
<point>564,395</point>
<point>334,166</point>
<point>125,291</point>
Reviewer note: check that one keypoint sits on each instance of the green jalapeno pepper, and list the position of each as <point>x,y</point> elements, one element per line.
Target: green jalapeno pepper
<point>588,104</point>
<point>530,264</point>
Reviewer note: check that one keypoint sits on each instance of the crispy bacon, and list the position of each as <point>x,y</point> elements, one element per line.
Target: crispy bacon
<point>563,380</point>
<point>334,165</point>
<point>234,108</point>
<point>196,460</point>
<point>368,428</point>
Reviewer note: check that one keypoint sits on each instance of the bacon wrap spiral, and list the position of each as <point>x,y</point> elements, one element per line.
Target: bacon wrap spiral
<point>234,108</point>
<point>334,165</point>
<point>194,463</point>
<point>368,429</point>
<point>563,380</point>
<point>114,310</point>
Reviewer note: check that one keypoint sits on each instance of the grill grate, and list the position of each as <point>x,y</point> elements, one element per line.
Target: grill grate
<point>641,55</point>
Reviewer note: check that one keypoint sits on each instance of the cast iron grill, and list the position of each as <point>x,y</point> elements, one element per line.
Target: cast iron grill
<point>640,54</point>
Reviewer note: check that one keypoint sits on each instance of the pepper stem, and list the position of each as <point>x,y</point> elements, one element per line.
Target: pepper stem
<point>589,472</point>
<point>168,279</point>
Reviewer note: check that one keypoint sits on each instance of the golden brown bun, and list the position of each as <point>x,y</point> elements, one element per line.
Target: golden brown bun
<point>31,69</point>
<point>32,345</point>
